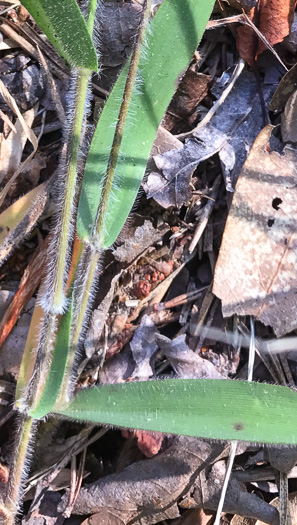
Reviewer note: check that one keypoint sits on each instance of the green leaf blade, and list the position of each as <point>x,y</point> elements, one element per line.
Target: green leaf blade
<point>173,37</point>
<point>205,408</point>
<point>66,28</point>
<point>54,379</point>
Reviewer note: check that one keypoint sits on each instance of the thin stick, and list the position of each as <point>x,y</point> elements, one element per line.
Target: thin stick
<point>252,351</point>
<point>203,220</point>
<point>226,481</point>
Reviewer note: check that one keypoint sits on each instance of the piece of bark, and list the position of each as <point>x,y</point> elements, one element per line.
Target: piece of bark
<point>237,501</point>
<point>256,269</point>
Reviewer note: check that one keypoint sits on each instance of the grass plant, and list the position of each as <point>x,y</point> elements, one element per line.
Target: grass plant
<point>116,161</point>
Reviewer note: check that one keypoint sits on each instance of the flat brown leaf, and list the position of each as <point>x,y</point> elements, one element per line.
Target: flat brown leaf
<point>273,18</point>
<point>256,269</point>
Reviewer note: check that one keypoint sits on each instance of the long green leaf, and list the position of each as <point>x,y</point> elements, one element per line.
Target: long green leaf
<point>206,408</point>
<point>173,37</point>
<point>53,381</point>
<point>66,28</point>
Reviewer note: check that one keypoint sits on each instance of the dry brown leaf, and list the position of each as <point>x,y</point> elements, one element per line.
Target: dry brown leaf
<point>182,111</point>
<point>273,18</point>
<point>19,219</point>
<point>256,269</point>
<point>12,349</point>
<point>29,282</point>
<point>11,146</point>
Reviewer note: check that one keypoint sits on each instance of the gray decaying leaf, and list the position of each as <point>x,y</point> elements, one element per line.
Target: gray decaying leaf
<point>118,368</point>
<point>282,459</point>
<point>144,346</point>
<point>118,26</point>
<point>256,269</point>
<point>240,116</point>
<point>148,491</point>
<point>44,508</point>
<point>184,361</point>
<point>284,90</point>
<point>171,188</point>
